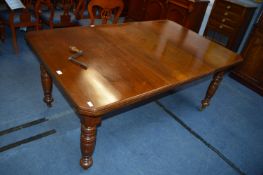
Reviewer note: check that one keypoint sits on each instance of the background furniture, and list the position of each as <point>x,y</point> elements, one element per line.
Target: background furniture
<point>250,72</point>
<point>106,10</point>
<point>17,18</point>
<point>228,22</point>
<point>188,13</point>
<point>81,9</point>
<point>2,31</point>
<point>59,13</point>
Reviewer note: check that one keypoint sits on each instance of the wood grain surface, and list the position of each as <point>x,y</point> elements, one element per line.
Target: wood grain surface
<point>126,62</point>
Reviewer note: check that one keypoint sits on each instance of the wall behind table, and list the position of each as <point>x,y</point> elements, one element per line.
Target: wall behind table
<point>251,25</point>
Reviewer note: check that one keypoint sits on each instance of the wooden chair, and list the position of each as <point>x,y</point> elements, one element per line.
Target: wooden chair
<point>2,31</point>
<point>18,18</point>
<point>105,10</point>
<point>80,10</point>
<point>59,13</point>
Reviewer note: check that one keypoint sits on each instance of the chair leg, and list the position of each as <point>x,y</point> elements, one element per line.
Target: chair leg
<point>37,26</point>
<point>2,33</point>
<point>13,30</point>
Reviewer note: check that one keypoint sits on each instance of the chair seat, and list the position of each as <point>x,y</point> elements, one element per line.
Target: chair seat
<point>20,18</point>
<point>4,15</point>
<point>45,15</point>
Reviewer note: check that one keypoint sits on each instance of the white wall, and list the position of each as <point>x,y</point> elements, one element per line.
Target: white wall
<point>205,20</point>
<point>250,28</point>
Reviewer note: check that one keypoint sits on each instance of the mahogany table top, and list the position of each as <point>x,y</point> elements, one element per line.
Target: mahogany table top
<point>126,62</point>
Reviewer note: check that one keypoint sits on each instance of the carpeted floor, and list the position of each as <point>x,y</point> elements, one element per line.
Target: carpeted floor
<point>169,136</point>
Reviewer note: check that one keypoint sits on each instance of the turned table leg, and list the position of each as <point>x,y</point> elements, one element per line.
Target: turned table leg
<point>46,85</point>
<point>88,140</point>
<point>217,78</point>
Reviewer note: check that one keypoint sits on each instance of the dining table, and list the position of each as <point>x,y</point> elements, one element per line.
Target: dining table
<point>106,68</point>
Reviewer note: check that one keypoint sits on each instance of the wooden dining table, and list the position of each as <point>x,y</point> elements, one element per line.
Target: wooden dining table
<point>124,64</point>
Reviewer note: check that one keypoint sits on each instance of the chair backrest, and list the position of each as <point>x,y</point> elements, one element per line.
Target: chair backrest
<point>58,13</point>
<point>107,9</point>
<point>45,4</point>
<point>80,8</point>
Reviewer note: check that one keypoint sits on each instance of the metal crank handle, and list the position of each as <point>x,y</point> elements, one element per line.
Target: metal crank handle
<point>76,55</point>
<point>83,65</point>
<point>74,49</point>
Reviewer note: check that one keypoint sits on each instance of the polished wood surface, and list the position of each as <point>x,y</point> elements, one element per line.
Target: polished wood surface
<point>127,63</point>
<point>250,72</point>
